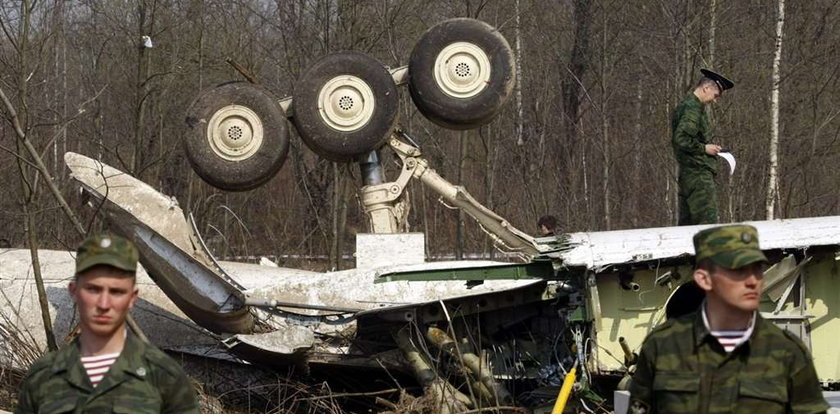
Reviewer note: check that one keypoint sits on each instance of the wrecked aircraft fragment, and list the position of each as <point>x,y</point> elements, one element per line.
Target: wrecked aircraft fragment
<point>293,316</point>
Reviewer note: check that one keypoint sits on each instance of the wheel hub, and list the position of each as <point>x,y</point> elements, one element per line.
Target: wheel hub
<point>462,70</point>
<point>346,103</point>
<point>235,133</point>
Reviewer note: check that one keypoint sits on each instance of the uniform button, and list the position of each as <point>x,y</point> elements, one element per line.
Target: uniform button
<point>141,371</point>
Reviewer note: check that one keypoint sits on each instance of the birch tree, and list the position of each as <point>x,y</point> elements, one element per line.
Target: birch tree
<point>772,182</point>
<point>518,86</point>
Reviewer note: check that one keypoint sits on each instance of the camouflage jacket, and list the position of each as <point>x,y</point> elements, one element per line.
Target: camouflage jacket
<point>682,368</point>
<point>142,380</point>
<point>690,134</point>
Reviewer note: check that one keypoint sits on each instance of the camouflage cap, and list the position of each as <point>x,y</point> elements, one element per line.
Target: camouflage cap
<point>107,249</point>
<point>733,246</point>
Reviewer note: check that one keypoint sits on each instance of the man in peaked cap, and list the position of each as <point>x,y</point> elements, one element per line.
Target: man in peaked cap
<point>694,151</point>
<point>106,369</point>
<point>725,358</point>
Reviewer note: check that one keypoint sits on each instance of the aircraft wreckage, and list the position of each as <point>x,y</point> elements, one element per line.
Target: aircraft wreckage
<point>477,333</point>
<point>531,320</point>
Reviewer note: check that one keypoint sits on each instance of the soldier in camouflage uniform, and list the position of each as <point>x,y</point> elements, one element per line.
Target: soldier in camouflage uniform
<point>142,379</point>
<point>725,358</point>
<point>695,154</point>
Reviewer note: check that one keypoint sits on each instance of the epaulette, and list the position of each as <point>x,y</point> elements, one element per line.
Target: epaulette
<point>669,324</point>
<point>43,363</point>
<point>160,359</point>
<point>795,339</point>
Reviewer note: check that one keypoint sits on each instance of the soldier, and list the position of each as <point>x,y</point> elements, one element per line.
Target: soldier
<point>724,357</point>
<point>106,369</point>
<point>695,155</point>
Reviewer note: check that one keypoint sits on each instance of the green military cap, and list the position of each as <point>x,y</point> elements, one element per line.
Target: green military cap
<point>733,246</point>
<point>106,249</point>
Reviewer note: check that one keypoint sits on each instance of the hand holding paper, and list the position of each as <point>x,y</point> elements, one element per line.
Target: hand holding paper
<point>725,154</point>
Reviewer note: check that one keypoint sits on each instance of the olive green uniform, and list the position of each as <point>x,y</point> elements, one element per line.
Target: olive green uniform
<point>696,180</point>
<point>142,380</point>
<point>682,368</point>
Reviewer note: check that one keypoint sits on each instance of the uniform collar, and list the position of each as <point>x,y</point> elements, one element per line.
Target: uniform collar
<point>130,363</point>
<point>695,99</point>
<point>701,328</point>
<point>68,363</point>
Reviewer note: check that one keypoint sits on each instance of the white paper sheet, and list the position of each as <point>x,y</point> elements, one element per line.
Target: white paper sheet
<point>730,159</point>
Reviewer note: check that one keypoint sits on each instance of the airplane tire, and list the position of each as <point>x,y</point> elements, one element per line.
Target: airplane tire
<point>236,136</point>
<point>345,106</point>
<point>460,73</point>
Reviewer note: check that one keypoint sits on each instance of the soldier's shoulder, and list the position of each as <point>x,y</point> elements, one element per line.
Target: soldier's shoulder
<point>783,338</point>
<point>673,326</point>
<point>160,360</point>
<point>42,367</point>
<point>42,363</point>
<point>690,100</point>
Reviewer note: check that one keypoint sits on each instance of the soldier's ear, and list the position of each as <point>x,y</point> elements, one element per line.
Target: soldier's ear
<point>135,293</point>
<point>703,279</point>
<point>72,288</point>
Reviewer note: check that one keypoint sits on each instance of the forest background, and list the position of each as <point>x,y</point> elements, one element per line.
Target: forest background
<point>585,137</point>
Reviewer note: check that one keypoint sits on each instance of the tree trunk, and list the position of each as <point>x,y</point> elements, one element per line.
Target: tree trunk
<point>141,92</point>
<point>637,156</point>
<point>32,241</point>
<point>576,69</point>
<point>519,139</point>
<point>712,30</point>
<point>772,184</point>
<point>459,231</point>
<point>489,180</point>
<point>605,137</point>
<point>339,218</point>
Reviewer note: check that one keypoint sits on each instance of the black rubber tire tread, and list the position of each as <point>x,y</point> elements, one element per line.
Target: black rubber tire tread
<point>460,113</point>
<point>320,137</point>
<point>245,174</point>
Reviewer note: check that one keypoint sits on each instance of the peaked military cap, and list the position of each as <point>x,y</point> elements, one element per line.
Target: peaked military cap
<point>732,246</point>
<point>106,249</point>
<point>721,82</point>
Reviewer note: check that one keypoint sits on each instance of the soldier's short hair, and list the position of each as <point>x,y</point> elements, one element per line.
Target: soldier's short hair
<point>707,265</point>
<point>706,81</point>
<point>549,221</point>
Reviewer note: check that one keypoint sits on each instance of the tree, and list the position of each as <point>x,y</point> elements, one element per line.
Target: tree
<point>772,185</point>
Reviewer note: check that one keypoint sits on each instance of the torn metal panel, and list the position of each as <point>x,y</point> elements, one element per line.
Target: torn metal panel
<point>287,346</point>
<point>475,302</point>
<point>355,288</point>
<point>537,269</point>
<point>780,278</point>
<point>598,250</point>
<point>164,238</point>
<point>384,249</point>
<point>159,213</point>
